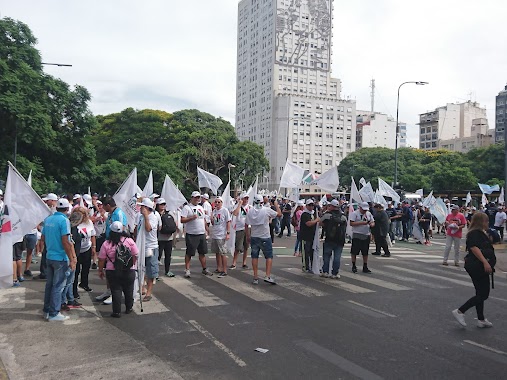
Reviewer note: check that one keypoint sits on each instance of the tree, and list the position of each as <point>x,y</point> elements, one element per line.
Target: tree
<point>488,163</point>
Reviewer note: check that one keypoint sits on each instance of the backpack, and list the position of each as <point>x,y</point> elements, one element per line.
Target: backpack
<point>123,258</point>
<point>336,228</point>
<point>294,219</point>
<point>168,224</point>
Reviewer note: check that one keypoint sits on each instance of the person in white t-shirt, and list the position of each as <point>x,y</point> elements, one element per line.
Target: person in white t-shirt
<point>207,207</point>
<point>361,221</point>
<point>500,219</point>
<point>241,244</point>
<point>220,233</point>
<point>258,217</point>
<point>88,249</point>
<point>196,229</point>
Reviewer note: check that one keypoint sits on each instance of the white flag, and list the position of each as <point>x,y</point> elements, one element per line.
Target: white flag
<point>367,193</point>
<point>380,199</point>
<point>469,198</point>
<point>349,227</point>
<point>148,188</point>
<point>126,198</point>
<point>329,181</point>
<point>294,195</point>
<point>430,200</point>
<point>29,180</point>
<point>228,203</point>
<point>420,192</point>
<point>387,191</point>
<point>172,195</point>
<point>252,191</point>
<point>501,197</point>
<point>417,231</point>
<point>23,211</point>
<point>354,193</point>
<point>484,200</point>
<point>316,256</point>
<point>141,262</point>
<point>439,210</point>
<point>292,175</point>
<point>362,181</point>
<point>89,191</point>
<point>206,179</point>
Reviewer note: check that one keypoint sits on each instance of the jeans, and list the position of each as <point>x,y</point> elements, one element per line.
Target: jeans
<point>406,229</point>
<point>84,262</point>
<point>481,284</point>
<point>68,292</point>
<point>277,225</point>
<point>121,283</point>
<point>410,227</point>
<point>285,223</point>
<point>308,249</point>
<point>299,244</point>
<point>397,228</point>
<point>500,231</point>
<point>56,280</point>
<point>381,243</point>
<point>329,249</point>
<point>448,243</point>
<point>166,248</point>
<point>391,231</point>
<point>43,263</point>
<point>259,244</point>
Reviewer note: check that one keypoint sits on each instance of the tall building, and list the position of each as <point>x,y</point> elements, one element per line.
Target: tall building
<point>375,129</point>
<point>480,136</point>
<point>452,121</point>
<point>286,99</point>
<point>501,115</point>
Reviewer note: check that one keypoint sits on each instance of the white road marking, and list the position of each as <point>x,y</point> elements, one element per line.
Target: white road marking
<point>248,290</point>
<point>154,306</point>
<point>425,256</point>
<point>194,293</point>
<point>431,261</point>
<point>394,252</point>
<point>375,281</point>
<point>331,282</point>
<point>410,279</point>
<point>292,285</point>
<point>498,299</point>
<point>217,343</point>
<point>454,281</point>
<point>372,309</point>
<point>486,347</point>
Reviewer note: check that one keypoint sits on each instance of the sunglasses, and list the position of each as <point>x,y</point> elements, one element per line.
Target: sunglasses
<point>218,201</point>
<point>162,204</point>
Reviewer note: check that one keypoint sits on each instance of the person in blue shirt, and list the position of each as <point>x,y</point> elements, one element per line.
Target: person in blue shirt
<point>60,258</point>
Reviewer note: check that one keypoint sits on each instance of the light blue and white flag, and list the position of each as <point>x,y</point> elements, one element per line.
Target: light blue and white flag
<point>486,189</point>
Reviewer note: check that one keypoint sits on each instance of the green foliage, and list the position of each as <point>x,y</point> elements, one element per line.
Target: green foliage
<point>488,164</point>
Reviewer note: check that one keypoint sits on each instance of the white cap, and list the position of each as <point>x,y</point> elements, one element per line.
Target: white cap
<point>310,201</point>
<point>160,201</point>
<point>218,199</point>
<point>99,202</point>
<point>87,198</point>
<point>117,227</point>
<point>301,202</point>
<point>147,202</point>
<point>365,206</point>
<point>62,203</point>
<point>50,197</point>
<point>258,198</point>
<point>154,195</point>
<point>196,194</point>
<point>205,196</point>
<point>243,195</point>
<point>76,196</point>
<point>335,203</point>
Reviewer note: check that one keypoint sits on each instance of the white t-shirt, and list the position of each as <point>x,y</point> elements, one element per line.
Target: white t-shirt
<point>219,219</point>
<point>259,218</point>
<point>86,230</point>
<point>240,219</point>
<point>500,218</point>
<point>100,223</point>
<point>151,239</point>
<point>208,210</point>
<point>196,226</point>
<point>356,216</point>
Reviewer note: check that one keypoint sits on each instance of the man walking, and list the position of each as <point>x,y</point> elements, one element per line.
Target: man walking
<point>454,224</point>
<point>334,225</point>
<point>307,228</point>
<point>220,233</point>
<point>50,200</point>
<point>241,244</point>
<point>380,231</point>
<point>286,214</point>
<point>361,221</point>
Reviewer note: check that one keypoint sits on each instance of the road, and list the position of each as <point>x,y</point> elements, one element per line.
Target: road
<point>395,323</point>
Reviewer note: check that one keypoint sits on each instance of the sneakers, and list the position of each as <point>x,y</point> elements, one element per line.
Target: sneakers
<point>221,275</point>
<point>74,305</point>
<point>45,316</point>
<point>483,324</point>
<point>232,267</point>
<point>207,272</point>
<point>386,255</point>
<point>325,275</point>
<point>336,276</point>
<point>58,318</point>
<point>245,266</point>
<point>64,307</point>
<point>366,270</point>
<point>86,288</point>
<point>28,273</point>
<point>270,280</point>
<point>445,263</point>
<point>21,279</point>
<point>456,264</point>
<point>16,284</point>
<point>103,296</point>
<point>460,317</point>
<point>187,273</point>
<point>108,301</point>
<point>169,274</point>
<point>94,266</point>
<point>354,269</point>
<point>255,281</point>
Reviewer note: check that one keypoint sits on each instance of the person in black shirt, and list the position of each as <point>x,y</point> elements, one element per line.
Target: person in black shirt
<point>491,211</point>
<point>424,222</point>
<point>308,225</point>
<point>380,231</point>
<point>286,214</point>
<point>334,227</point>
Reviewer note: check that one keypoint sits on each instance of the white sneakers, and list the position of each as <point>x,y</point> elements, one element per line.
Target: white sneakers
<point>270,279</point>
<point>483,324</point>
<point>324,274</point>
<point>336,276</point>
<point>58,318</point>
<point>108,301</point>
<point>103,296</point>
<point>333,276</point>
<point>187,273</point>
<point>460,317</point>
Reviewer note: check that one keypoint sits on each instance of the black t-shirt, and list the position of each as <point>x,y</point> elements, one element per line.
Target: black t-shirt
<point>307,233</point>
<point>479,239</point>
<point>427,219</point>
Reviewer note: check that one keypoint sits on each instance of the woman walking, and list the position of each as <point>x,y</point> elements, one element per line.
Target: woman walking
<point>296,218</point>
<point>88,245</point>
<point>479,263</point>
<point>119,281</point>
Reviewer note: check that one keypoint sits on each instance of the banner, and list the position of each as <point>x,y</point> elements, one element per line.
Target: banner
<point>469,198</point>
<point>439,210</point>
<point>126,198</point>
<point>486,189</point>
<point>252,191</point>
<point>367,194</point>
<point>172,195</point>
<point>209,180</point>
<point>148,188</point>
<point>354,193</point>
<point>292,175</point>
<point>387,191</point>
<point>329,181</point>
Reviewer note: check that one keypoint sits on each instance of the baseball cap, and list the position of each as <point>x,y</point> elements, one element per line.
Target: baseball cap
<point>147,202</point>
<point>99,202</point>
<point>258,198</point>
<point>62,203</point>
<point>196,194</point>
<point>76,196</point>
<point>205,196</point>
<point>455,207</point>
<point>50,197</point>
<point>218,199</point>
<point>87,198</point>
<point>117,227</point>
<point>160,201</point>
<point>335,203</point>
<point>310,201</point>
<point>301,203</point>
<point>364,205</point>
<point>243,195</point>
<point>154,195</point>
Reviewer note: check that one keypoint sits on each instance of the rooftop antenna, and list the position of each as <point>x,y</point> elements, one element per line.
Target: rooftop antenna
<point>372,94</point>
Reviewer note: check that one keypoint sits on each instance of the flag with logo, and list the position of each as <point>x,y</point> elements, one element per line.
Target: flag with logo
<point>439,210</point>
<point>173,197</point>
<point>430,200</point>
<point>208,180</point>
<point>328,181</point>
<point>126,199</point>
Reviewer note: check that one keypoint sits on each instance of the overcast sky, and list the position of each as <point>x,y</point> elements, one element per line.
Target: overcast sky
<point>176,54</point>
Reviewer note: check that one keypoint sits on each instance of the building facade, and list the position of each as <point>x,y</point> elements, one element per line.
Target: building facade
<point>286,99</point>
<point>501,115</point>
<point>375,129</point>
<point>453,121</point>
<point>481,136</point>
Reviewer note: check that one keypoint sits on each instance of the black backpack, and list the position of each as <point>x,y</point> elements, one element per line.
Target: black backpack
<point>336,228</point>
<point>124,260</point>
<point>168,224</point>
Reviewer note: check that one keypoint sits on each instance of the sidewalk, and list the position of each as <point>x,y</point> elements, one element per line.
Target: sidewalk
<point>501,259</point>
<point>84,347</point>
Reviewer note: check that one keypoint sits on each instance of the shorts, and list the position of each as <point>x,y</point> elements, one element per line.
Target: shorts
<point>196,242</point>
<point>31,241</point>
<point>241,245</point>
<point>152,265</point>
<point>17,251</point>
<point>360,246</point>
<point>264,244</point>
<point>219,246</point>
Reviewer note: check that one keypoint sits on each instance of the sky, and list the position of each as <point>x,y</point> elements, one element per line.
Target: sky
<point>176,54</point>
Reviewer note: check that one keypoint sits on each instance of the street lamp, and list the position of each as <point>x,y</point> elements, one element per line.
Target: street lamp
<point>419,83</point>
<point>230,166</point>
<point>267,181</point>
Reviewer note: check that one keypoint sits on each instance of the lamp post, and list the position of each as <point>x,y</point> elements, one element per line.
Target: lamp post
<point>398,130</point>
<point>229,166</point>
<point>267,181</point>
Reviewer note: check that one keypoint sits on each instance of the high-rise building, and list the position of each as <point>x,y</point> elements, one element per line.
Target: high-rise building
<point>501,115</point>
<point>481,136</point>
<point>286,99</point>
<point>375,129</point>
<point>452,121</point>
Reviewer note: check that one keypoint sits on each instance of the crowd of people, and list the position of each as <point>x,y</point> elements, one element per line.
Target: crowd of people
<point>85,233</point>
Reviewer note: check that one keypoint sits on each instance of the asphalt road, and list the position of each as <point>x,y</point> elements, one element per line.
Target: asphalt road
<point>395,323</point>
